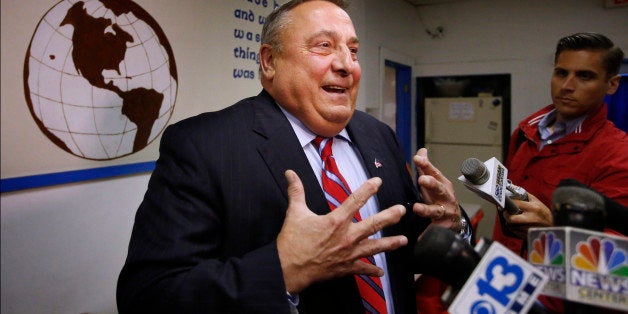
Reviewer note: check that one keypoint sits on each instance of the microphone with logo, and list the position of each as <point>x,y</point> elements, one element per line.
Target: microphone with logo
<point>487,279</point>
<point>586,267</point>
<point>489,180</point>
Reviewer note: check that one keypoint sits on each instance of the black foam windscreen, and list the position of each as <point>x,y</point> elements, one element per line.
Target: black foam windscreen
<point>440,253</point>
<point>577,206</point>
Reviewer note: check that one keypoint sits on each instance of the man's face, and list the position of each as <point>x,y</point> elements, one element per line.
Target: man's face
<point>316,75</point>
<point>579,83</point>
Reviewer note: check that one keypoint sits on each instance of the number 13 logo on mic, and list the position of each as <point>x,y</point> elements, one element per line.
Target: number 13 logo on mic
<point>502,283</point>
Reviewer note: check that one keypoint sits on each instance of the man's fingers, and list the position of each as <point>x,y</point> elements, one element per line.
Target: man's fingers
<point>370,247</point>
<point>424,165</point>
<point>362,268</point>
<point>421,161</point>
<point>385,244</point>
<point>296,192</point>
<point>377,222</point>
<point>358,198</point>
<point>435,188</point>
<point>436,211</point>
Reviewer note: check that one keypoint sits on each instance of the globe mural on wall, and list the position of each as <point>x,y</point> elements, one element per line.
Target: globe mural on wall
<point>100,78</point>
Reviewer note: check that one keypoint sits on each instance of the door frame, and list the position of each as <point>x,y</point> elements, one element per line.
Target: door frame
<point>404,97</point>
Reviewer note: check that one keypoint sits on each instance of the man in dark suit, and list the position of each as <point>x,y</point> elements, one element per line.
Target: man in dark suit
<point>235,219</point>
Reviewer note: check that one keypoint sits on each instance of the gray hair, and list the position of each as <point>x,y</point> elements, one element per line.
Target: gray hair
<point>277,21</point>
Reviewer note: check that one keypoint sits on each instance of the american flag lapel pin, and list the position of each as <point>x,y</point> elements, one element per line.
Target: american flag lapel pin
<point>377,163</point>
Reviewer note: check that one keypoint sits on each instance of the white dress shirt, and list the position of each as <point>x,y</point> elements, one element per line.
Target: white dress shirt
<point>352,169</point>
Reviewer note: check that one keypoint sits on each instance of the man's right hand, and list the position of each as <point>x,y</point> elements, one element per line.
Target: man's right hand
<point>314,248</point>
<point>534,215</point>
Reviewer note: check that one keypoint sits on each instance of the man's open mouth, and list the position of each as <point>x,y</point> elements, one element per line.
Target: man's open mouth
<point>334,89</point>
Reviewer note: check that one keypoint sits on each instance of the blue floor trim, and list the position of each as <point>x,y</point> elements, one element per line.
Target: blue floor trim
<point>42,180</point>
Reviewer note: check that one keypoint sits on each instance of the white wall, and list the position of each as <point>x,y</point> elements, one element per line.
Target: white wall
<point>498,36</point>
<point>63,246</point>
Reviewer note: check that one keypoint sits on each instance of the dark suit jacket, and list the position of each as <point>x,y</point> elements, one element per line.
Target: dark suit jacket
<point>204,238</point>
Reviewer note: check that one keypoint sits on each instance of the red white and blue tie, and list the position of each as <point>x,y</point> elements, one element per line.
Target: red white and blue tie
<point>336,191</point>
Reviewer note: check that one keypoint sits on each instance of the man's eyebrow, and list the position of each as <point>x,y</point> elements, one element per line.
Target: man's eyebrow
<point>586,72</point>
<point>577,72</point>
<point>333,34</point>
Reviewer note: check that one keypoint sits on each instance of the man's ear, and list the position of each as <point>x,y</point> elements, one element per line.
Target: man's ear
<point>267,61</point>
<point>613,84</point>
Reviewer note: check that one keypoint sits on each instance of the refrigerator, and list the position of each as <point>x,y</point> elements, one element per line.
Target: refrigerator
<point>459,128</point>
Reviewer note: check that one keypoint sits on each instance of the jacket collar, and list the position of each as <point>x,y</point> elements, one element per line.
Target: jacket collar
<point>280,149</point>
<point>585,131</point>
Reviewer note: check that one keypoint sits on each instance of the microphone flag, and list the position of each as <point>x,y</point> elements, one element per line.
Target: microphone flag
<point>502,282</point>
<point>583,266</point>
<point>494,188</point>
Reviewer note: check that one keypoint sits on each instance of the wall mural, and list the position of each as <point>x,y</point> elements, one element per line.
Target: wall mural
<point>100,78</point>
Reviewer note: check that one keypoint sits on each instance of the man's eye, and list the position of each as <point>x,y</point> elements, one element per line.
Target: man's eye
<point>354,54</point>
<point>560,73</point>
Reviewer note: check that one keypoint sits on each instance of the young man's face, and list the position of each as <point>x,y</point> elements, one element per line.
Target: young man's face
<point>579,83</point>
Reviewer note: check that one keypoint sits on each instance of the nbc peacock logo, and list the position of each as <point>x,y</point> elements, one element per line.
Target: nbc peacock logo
<point>547,249</point>
<point>600,256</point>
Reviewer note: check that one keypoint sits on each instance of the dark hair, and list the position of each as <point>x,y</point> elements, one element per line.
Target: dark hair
<point>277,21</point>
<point>613,55</point>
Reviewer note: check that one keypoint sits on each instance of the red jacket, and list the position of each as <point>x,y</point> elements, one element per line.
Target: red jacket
<point>596,154</point>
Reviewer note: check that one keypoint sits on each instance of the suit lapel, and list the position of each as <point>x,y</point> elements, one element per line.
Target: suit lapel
<point>280,149</point>
<point>369,148</point>
<point>378,160</point>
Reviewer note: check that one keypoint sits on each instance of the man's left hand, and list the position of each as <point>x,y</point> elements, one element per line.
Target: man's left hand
<point>438,194</point>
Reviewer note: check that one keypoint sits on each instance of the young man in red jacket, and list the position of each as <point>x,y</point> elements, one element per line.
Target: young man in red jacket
<point>571,138</point>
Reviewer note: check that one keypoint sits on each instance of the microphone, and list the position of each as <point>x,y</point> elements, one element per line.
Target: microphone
<point>616,213</point>
<point>451,253</point>
<point>487,279</point>
<point>586,267</point>
<point>489,180</point>
<point>580,207</point>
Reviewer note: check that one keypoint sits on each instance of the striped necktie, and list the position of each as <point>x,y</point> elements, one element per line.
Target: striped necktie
<point>336,191</point>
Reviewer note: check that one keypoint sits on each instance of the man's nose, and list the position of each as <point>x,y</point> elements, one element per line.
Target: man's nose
<point>344,62</point>
<point>568,83</point>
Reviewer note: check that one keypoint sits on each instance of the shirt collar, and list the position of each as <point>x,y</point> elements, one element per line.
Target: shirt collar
<point>563,128</point>
<point>305,135</point>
